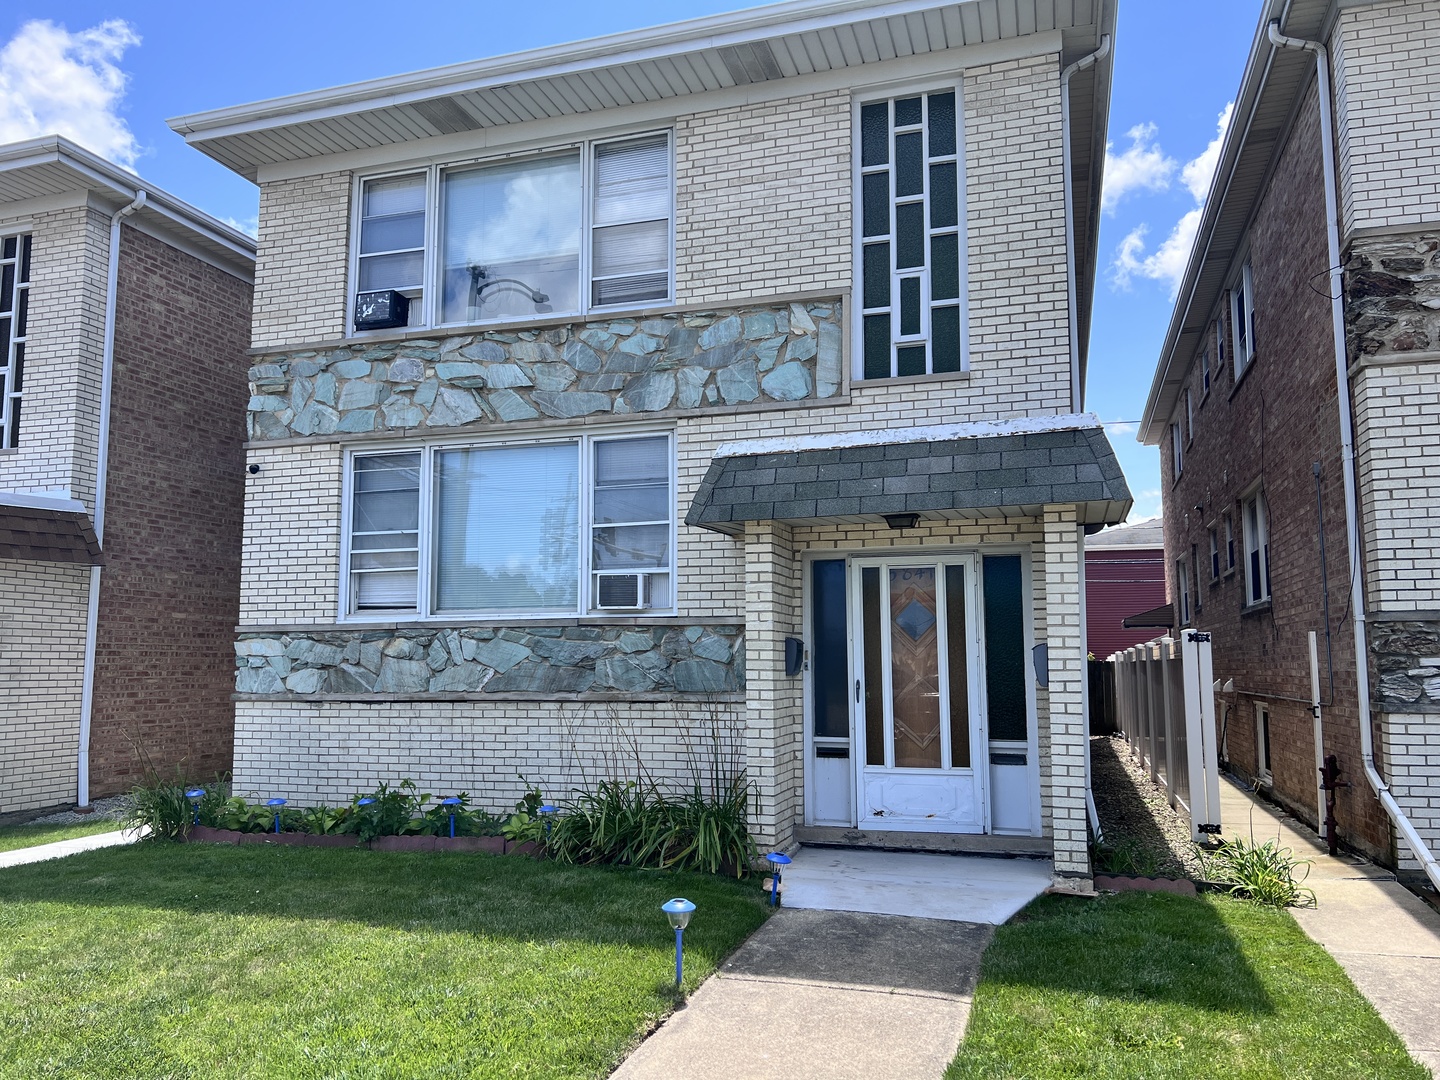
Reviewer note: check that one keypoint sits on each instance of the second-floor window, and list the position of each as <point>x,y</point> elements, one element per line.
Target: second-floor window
<point>1177,449</point>
<point>1255,518</point>
<point>14,314</point>
<point>1204,373</point>
<point>911,253</point>
<point>557,233</point>
<point>1242,320</point>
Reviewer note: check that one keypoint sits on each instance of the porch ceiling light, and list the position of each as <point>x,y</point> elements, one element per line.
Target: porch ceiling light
<point>902,521</point>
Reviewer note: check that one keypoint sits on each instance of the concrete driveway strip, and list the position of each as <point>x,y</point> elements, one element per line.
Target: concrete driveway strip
<point>60,848</point>
<point>826,995</point>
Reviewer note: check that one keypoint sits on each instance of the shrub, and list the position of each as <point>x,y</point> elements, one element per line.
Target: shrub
<point>1264,872</point>
<point>1125,857</point>
<point>160,807</point>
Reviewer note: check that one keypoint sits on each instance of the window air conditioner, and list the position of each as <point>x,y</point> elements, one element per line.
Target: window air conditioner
<point>622,591</point>
<point>383,309</point>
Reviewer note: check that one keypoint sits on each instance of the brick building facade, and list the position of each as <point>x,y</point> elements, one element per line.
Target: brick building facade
<point>147,678</point>
<point>788,410</point>
<point>1246,411</point>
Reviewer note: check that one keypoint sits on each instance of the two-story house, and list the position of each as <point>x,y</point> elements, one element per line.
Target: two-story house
<point>715,385</point>
<point>124,317</point>
<point>1297,404</point>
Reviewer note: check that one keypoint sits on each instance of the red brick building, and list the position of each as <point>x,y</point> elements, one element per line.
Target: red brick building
<point>1124,575</point>
<point>1265,519</point>
<point>124,323</point>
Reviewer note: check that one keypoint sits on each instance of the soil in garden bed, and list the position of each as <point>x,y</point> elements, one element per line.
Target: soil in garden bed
<point>1134,812</point>
<point>497,845</point>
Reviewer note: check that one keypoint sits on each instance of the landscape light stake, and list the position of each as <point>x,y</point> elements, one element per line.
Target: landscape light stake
<point>549,812</point>
<point>777,859</point>
<point>276,803</point>
<point>451,801</point>
<point>195,795</point>
<point>678,911</point>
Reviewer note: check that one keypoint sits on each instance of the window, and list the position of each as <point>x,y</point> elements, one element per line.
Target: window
<point>1214,555</point>
<point>1255,518</point>
<point>1262,742</point>
<point>558,527</point>
<point>1204,373</point>
<point>1220,342</point>
<point>1195,564</point>
<point>911,267</point>
<point>1182,592</point>
<point>1242,320</point>
<point>14,312</point>
<point>555,233</point>
<point>1177,447</point>
<point>1229,543</point>
<point>1189,417</point>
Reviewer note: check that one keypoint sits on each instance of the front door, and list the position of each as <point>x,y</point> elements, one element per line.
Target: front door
<point>918,694</point>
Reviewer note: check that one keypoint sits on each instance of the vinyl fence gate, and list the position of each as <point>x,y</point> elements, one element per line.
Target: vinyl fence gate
<point>1165,705</point>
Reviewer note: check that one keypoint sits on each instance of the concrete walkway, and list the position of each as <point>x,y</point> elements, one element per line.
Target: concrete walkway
<point>825,995</point>
<point>60,848</point>
<point>1385,937</point>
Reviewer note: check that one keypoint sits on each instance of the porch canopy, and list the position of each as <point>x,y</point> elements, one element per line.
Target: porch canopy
<point>944,472</point>
<point>45,527</point>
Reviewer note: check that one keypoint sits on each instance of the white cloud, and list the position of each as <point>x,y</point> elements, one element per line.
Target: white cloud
<point>1148,504</point>
<point>53,82</point>
<point>1119,427</point>
<point>1167,262</point>
<point>250,226</point>
<point>1142,165</point>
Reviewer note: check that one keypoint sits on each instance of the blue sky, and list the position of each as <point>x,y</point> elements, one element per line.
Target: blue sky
<point>109,74</point>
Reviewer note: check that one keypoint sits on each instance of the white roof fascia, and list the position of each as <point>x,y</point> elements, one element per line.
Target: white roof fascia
<point>57,501</point>
<point>977,429</point>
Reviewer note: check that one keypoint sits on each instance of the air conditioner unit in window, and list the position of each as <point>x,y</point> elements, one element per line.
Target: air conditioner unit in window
<point>383,309</point>
<point>622,592</point>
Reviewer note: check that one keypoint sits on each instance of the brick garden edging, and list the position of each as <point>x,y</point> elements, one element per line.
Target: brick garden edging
<point>1129,883</point>
<point>495,845</point>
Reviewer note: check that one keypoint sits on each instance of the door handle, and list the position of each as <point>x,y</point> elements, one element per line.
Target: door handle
<point>857,691</point>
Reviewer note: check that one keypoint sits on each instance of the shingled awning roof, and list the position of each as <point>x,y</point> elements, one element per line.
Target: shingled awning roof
<point>951,471</point>
<point>46,528</point>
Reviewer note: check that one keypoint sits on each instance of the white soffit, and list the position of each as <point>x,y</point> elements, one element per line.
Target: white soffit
<point>721,52</point>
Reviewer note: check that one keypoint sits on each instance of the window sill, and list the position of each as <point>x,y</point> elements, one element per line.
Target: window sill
<point>911,380</point>
<point>1261,607</point>
<point>9,450</point>
<point>500,622</point>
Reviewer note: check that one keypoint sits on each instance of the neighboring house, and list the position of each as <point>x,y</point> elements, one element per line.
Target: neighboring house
<point>124,317</point>
<point>1269,533</point>
<point>1124,576</point>
<point>586,378</point>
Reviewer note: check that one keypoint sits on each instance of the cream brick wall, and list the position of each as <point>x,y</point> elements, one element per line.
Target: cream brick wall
<point>762,199</point>
<point>1064,780</point>
<point>1397,413</point>
<point>1387,87</point>
<point>302,265</point>
<point>1412,769</point>
<point>42,656</point>
<point>290,559</point>
<point>59,420</point>
<point>324,754</point>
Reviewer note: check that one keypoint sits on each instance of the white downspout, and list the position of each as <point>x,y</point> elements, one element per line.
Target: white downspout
<point>1079,65</point>
<point>1407,831</point>
<point>92,622</point>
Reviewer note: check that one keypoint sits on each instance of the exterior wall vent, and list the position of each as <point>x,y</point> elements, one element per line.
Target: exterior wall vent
<point>752,62</point>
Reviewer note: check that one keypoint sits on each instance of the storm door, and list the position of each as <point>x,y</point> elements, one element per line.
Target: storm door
<point>918,697</point>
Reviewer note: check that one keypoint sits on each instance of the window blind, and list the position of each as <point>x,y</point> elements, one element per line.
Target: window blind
<point>630,241</point>
<point>385,531</point>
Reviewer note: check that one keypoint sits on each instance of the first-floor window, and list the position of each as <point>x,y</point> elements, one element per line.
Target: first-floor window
<point>14,311</point>
<point>1214,556</point>
<point>1229,523</point>
<point>555,527</point>
<point>1256,520</point>
<point>1182,591</point>
<point>1262,741</point>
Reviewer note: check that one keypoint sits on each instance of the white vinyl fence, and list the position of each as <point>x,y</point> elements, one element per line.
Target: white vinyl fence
<point>1165,706</point>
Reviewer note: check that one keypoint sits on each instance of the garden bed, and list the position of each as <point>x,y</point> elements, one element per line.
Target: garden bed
<point>495,845</point>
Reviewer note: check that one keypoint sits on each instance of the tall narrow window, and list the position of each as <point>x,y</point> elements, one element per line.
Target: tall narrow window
<point>630,246</point>
<point>1182,592</point>
<point>1256,520</point>
<point>1204,373</point>
<point>630,537</point>
<point>1229,542</point>
<point>14,314</point>
<point>1214,555</point>
<point>385,532</point>
<point>1220,342</point>
<point>1242,320</point>
<point>1262,742</point>
<point>392,238</point>
<point>911,261</point>
<point>1177,449</point>
<point>1189,417</point>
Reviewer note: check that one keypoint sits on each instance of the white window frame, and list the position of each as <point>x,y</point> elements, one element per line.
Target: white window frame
<point>1216,565</point>
<point>1204,373</point>
<point>1242,320</point>
<point>428,316</point>
<point>1177,446</point>
<point>1262,737</point>
<point>1220,338</point>
<point>1228,566</point>
<point>425,608</point>
<point>1189,417</point>
<point>1256,542</point>
<point>10,397</point>
<point>891,94</point>
<point>1182,592</point>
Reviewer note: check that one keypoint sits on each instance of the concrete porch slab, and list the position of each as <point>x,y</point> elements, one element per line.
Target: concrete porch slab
<point>960,888</point>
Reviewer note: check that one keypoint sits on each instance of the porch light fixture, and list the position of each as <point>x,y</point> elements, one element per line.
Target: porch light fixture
<point>678,911</point>
<point>276,803</point>
<point>777,859</point>
<point>452,801</point>
<point>195,795</point>
<point>902,521</point>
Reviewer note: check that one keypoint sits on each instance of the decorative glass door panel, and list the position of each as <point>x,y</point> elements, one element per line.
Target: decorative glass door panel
<point>916,659</point>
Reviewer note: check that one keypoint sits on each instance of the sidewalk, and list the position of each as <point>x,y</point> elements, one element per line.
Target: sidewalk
<point>1386,938</point>
<point>60,848</point>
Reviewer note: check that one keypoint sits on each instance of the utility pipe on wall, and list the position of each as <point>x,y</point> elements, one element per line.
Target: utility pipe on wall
<point>1407,831</point>
<point>92,622</point>
<point>1079,65</point>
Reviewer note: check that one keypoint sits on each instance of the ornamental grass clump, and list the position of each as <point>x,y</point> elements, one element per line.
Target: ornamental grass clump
<point>1264,873</point>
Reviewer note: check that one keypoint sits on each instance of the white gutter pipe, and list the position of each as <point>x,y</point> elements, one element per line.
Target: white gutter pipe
<point>92,623</point>
<point>1072,315</point>
<point>1407,831</point>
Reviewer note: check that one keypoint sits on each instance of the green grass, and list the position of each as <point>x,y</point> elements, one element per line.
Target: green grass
<point>1156,986</point>
<point>14,837</point>
<point>202,960</point>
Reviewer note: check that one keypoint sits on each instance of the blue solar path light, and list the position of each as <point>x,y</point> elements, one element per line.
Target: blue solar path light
<point>276,803</point>
<point>678,911</point>
<point>777,859</point>
<point>452,802</point>
<point>195,794</point>
<point>548,812</point>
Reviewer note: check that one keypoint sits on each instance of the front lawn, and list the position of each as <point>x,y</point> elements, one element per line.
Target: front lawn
<point>160,960</point>
<point>13,837</point>
<point>1157,986</point>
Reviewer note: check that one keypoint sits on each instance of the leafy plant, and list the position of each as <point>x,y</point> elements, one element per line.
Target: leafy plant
<point>521,828</point>
<point>160,807</point>
<point>323,820</point>
<point>389,811</point>
<point>532,800</point>
<point>1264,872</point>
<point>1127,857</point>
<point>236,814</point>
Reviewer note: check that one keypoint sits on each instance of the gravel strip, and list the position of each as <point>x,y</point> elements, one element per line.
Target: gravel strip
<point>1132,808</point>
<point>113,808</point>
